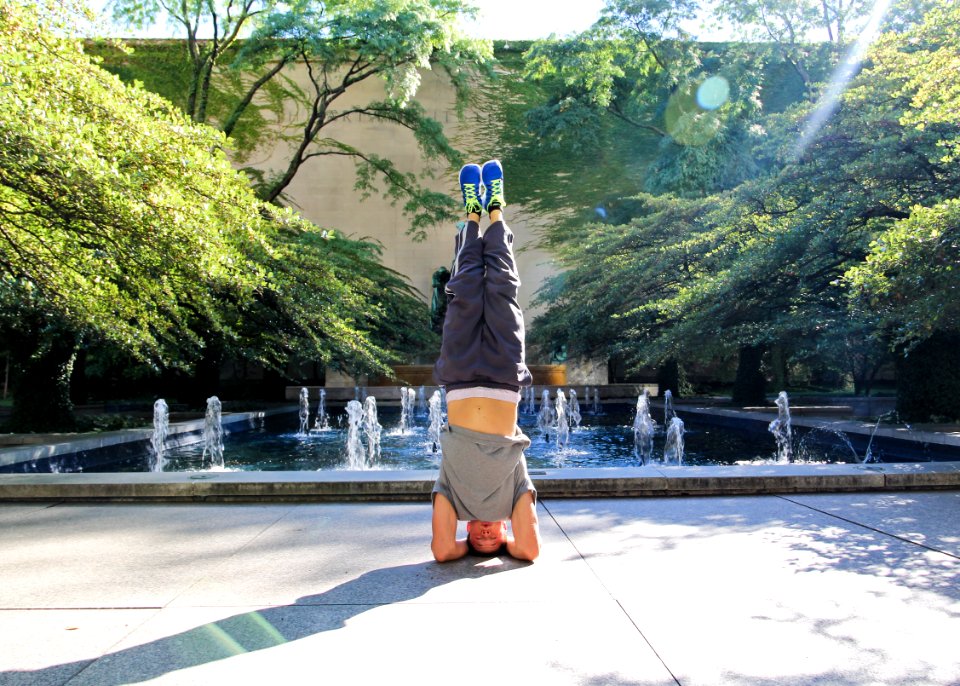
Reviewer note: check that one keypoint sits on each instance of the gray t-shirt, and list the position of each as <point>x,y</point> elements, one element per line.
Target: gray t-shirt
<point>483,475</point>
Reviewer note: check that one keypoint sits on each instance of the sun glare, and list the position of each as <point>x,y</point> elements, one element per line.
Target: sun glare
<point>841,77</point>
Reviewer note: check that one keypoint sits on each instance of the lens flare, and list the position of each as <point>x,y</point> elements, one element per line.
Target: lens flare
<point>713,92</point>
<point>687,121</point>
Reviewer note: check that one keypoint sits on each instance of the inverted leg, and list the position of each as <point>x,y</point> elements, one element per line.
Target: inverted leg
<point>503,328</point>
<point>461,346</point>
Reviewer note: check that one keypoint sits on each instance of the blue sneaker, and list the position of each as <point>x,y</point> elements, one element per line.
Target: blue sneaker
<point>492,175</point>
<point>470,187</point>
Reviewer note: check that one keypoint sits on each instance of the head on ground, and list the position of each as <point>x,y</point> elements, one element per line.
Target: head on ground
<point>486,538</point>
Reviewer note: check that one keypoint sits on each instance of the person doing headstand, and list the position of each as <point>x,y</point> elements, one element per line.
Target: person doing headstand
<point>483,476</point>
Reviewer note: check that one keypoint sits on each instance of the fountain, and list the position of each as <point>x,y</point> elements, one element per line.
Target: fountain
<point>597,408</point>
<point>436,420</point>
<point>158,442</point>
<point>529,400</point>
<point>780,428</point>
<point>673,446</point>
<point>815,443</point>
<point>408,399</point>
<point>868,454</point>
<point>371,429</point>
<point>322,422</point>
<point>356,455</point>
<point>422,408</point>
<point>643,429</point>
<point>605,442</point>
<point>573,411</point>
<point>545,417</point>
<point>304,411</point>
<point>563,427</point>
<point>213,434</point>
<point>668,412</point>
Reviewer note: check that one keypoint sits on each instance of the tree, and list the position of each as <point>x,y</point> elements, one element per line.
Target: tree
<point>338,45</point>
<point>792,25</point>
<point>41,346</point>
<point>640,67</point>
<point>844,250</point>
<point>112,204</point>
<point>123,221</point>
<point>615,297</point>
<point>912,266</point>
<point>225,23</point>
<point>622,66</point>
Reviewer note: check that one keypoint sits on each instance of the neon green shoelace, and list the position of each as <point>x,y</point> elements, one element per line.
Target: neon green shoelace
<point>496,190</point>
<point>470,193</point>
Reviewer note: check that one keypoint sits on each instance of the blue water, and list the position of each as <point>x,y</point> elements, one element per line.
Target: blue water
<point>604,439</point>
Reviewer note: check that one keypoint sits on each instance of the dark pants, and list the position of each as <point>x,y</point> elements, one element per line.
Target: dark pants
<point>483,336</point>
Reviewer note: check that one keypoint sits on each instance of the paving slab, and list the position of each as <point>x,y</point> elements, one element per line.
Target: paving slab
<point>925,518</point>
<point>16,511</point>
<point>466,642</point>
<point>306,557</point>
<point>375,605</point>
<point>50,647</point>
<point>79,556</point>
<point>759,590</point>
<point>795,590</point>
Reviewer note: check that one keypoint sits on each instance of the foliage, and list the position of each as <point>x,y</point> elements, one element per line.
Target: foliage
<point>333,302</point>
<point>911,269</point>
<point>791,26</point>
<point>845,246</point>
<point>557,180</point>
<point>790,23</point>
<point>316,54</point>
<point>615,296</point>
<point>622,66</point>
<point>913,264</point>
<point>636,67</point>
<point>123,221</point>
<point>113,206</point>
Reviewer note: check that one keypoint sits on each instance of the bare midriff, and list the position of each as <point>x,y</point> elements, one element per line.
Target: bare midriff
<point>489,416</point>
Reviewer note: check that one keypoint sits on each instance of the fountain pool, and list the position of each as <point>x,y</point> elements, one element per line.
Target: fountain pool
<point>603,439</point>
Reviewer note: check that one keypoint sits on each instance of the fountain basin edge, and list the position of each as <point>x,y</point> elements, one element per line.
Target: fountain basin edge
<point>179,433</point>
<point>399,486</point>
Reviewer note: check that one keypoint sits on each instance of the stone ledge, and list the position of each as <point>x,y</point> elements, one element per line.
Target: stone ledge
<point>346,486</point>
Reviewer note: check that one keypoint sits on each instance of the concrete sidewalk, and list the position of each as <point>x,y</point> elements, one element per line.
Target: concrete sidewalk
<point>852,589</point>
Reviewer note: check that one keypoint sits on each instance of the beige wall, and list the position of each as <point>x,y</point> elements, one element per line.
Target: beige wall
<point>323,190</point>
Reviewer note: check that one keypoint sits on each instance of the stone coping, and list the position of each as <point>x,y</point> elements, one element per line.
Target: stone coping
<point>376,485</point>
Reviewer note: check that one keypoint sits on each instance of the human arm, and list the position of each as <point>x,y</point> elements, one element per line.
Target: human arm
<point>445,546</point>
<point>525,542</point>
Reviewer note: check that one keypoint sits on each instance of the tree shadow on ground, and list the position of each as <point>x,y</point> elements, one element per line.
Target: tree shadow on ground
<point>813,541</point>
